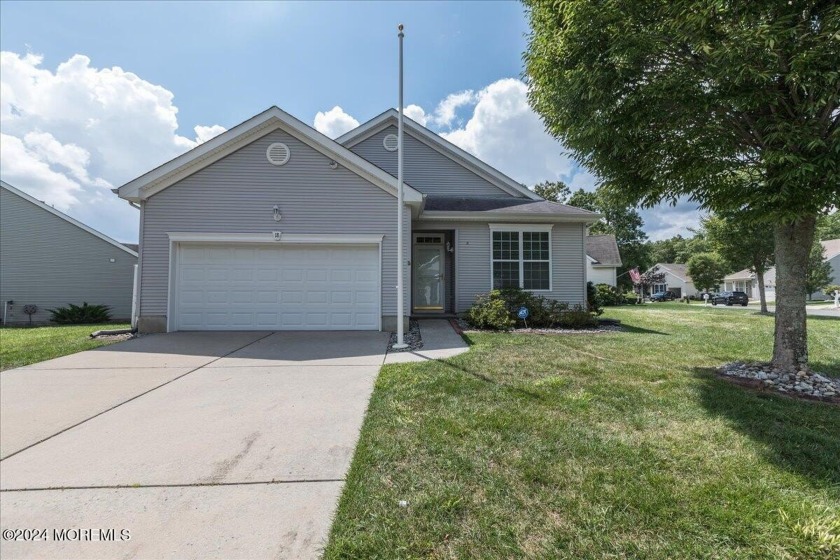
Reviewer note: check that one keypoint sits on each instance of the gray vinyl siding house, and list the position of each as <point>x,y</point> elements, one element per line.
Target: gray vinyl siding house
<point>273,226</point>
<point>48,259</point>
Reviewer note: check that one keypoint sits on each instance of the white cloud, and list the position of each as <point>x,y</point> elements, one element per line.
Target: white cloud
<point>445,112</point>
<point>664,221</point>
<point>70,134</point>
<point>417,114</point>
<point>334,122</point>
<point>22,167</point>
<point>505,132</point>
<point>205,133</point>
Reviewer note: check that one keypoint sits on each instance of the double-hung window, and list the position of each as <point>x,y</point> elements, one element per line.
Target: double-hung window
<point>521,257</point>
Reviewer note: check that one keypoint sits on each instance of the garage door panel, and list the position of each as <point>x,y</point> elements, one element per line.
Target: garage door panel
<point>290,287</point>
<point>341,297</point>
<point>292,296</point>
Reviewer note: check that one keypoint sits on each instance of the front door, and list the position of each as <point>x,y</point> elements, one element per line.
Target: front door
<point>428,273</point>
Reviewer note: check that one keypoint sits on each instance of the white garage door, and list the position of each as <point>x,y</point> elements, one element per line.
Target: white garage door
<point>290,287</point>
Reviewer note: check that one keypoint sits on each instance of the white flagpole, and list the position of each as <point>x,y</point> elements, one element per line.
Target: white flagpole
<point>400,258</point>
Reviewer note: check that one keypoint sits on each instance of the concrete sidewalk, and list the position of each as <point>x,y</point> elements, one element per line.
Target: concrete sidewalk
<point>440,341</point>
<point>201,445</point>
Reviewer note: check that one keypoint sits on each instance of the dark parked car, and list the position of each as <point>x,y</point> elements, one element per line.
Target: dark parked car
<point>731,298</point>
<point>663,296</point>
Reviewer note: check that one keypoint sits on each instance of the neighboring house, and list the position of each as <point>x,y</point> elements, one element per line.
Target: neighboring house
<point>272,225</point>
<point>602,259</point>
<point>832,256</point>
<point>676,280</point>
<point>48,259</point>
<point>746,281</point>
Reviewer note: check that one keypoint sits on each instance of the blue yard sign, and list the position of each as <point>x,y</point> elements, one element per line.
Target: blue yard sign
<point>523,313</point>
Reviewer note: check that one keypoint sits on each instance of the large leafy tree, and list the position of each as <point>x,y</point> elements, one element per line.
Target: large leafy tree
<point>828,227</point>
<point>731,104</point>
<point>679,249</point>
<point>706,270</point>
<point>743,244</point>
<point>556,191</point>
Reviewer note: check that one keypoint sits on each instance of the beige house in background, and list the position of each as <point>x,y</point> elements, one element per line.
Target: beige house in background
<point>745,281</point>
<point>676,280</point>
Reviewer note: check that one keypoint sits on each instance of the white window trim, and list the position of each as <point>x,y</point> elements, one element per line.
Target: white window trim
<point>520,229</point>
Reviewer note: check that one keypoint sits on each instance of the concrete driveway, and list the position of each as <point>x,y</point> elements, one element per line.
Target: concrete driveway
<point>200,445</point>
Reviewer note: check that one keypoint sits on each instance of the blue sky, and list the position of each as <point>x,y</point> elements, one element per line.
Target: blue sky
<point>96,93</point>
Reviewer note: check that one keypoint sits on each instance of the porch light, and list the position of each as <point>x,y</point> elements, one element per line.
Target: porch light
<point>276,213</point>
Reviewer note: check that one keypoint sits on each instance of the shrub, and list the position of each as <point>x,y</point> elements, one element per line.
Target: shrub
<point>498,310</point>
<point>608,296</point>
<point>80,315</point>
<point>490,312</point>
<point>543,312</point>
<point>577,318</point>
<point>593,304</point>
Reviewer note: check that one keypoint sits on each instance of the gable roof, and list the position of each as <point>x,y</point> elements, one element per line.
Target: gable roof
<point>439,144</point>
<point>244,133</point>
<point>745,274</point>
<point>603,249</point>
<point>65,217</point>
<point>677,270</point>
<point>831,248</point>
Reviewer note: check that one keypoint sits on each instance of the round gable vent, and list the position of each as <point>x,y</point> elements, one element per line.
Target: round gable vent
<point>390,142</point>
<point>278,153</point>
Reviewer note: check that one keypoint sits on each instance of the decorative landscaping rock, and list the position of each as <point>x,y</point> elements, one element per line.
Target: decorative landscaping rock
<point>411,337</point>
<point>800,383</point>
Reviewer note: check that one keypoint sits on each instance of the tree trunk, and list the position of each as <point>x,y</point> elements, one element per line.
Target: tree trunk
<point>762,295</point>
<point>793,245</point>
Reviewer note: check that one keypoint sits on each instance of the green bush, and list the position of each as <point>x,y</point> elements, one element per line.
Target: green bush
<point>631,298</point>
<point>498,310</point>
<point>490,312</point>
<point>608,296</point>
<point>80,315</point>
<point>543,312</point>
<point>593,304</point>
<point>577,318</point>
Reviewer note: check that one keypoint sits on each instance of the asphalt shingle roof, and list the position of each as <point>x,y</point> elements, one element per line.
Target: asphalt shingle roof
<point>678,270</point>
<point>501,205</point>
<point>603,249</point>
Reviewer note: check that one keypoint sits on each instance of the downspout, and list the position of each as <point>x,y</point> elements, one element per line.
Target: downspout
<point>142,208</point>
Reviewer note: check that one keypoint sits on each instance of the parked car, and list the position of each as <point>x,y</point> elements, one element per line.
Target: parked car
<point>731,298</point>
<point>663,296</point>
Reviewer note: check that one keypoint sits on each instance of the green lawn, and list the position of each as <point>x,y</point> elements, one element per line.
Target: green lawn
<point>21,346</point>
<point>621,445</point>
